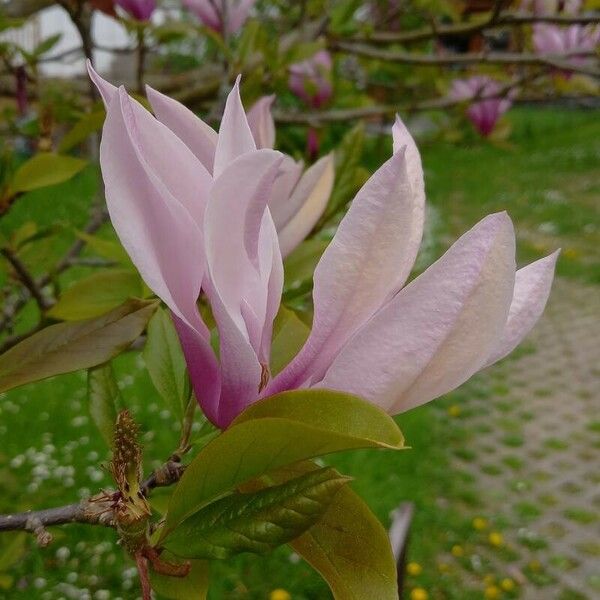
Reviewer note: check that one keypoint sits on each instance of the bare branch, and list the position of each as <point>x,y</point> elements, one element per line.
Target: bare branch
<point>458,29</point>
<point>557,61</point>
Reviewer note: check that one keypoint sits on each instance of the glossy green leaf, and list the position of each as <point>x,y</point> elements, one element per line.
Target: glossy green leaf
<point>348,546</point>
<point>75,345</point>
<point>166,364</point>
<point>104,399</point>
<point>259,521</point>
<point>45,169</point>
<point>276,431</point>
<point>97,294</point>
<point>289,335</point>
<point>192,587</point>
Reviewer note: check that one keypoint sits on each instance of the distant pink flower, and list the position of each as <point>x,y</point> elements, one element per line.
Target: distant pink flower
<point>487,107</point>
<point>140,10</point>
<point>211,12</point>
<point>553,39</point>
<point>310,79</point>
<point>188,228</point>
<point>551,7</point>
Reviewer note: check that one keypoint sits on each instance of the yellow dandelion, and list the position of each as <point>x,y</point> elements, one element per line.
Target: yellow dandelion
<point>443,567</point>
<point>279,594</point>
<point>480,523</point>
<point>419,594</point>
<point>458,551</point>
<point>454,410</point>
<point>571,253</point>
<point>492,593</point>
<point>414,569</point>
<point>507,584</point>
<point>496,539</point>
<point>535,565</point>
<point>489,580</point>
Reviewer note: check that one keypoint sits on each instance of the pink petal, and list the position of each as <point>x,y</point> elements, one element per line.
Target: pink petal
<point>261,122</point>
<point>245,271</point>
<point>155,193</point>
<point>235,137</point>
<point>199,137</point>
<point>402,139</point>
<point>107,90</point>
<point>365,264</point>
<point>532,289</point>
<point>310,196</point>
<point>280,199</point>
<point>438,330</point>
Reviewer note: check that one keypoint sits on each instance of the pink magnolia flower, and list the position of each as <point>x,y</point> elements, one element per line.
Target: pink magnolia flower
<point>553,39</point>
<point>310,79</point>
<point>187,229</point>
<point>211,12</point>
<point>487,107</point>
<point>140,10</point>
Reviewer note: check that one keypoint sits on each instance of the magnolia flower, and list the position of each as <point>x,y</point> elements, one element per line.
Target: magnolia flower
<point>140,10</point>
<point>485,112</point>
<point>211,12</point>
<point>553,39</point>
<point>310,79</point>
<point>186,229</point>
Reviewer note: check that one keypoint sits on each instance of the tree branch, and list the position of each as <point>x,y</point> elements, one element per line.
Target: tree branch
<point>557,61</point>
<point>458,29</point>
<point>27,279</point>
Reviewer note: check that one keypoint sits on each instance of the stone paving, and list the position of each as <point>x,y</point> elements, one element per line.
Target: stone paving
<point>534,454</point>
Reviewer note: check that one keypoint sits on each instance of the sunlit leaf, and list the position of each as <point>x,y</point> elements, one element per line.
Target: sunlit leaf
<point>275,432</point>
<point>192,587</point>
<point>97,294</point>
<point>75,345</point>
<point>89,123</point>
<point>258,521</point>
<point>109,249</point>
<point>45,169</point>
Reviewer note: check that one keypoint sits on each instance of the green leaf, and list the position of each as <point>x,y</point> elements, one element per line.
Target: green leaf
<point>43,170</point>
<point>192,587</point>
<point>166,363</point>
<point>259,521</point>
<point>104,398</point>
<point>89,123</point>
<point>67,347</point>
<point>47,44</point>
<point>276,431</point>
<point>289,335</point>
<point>347,159</point>
<point>348,546</point>
<point>300,265</point>
<point>109,249</point>
<point>12,549</point>
<point>96,294</point>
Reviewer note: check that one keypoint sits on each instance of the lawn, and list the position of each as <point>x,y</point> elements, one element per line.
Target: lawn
<point>546,177</point>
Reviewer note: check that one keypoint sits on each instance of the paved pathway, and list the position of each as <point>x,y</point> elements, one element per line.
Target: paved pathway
<point>535,453</point>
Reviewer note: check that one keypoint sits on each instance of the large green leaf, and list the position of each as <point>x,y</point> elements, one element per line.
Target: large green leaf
<point>45,169</point>
<point>104,398</point>
<point>75,345</point>
<point>274,432</point>
<point>166,363</point>
<point>259,521</point>
<point>192,587</point>
<point>96,294</point>
<point>87,124</point>
<point>109,249</point>
<point>348,546</point>
<point>289,335</point>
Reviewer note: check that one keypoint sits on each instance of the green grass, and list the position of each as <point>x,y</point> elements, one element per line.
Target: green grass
<point>50,453</point>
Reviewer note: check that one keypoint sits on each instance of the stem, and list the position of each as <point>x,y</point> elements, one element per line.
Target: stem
<point>142,567</point>
<point>141,58</point>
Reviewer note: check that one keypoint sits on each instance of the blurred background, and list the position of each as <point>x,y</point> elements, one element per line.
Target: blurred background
<point>503,99</point>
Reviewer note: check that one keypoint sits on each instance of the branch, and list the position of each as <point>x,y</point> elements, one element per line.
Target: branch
<point>557,61</point>
<point>27,279</point>
<point>458,29</point>
<point>96,510</point>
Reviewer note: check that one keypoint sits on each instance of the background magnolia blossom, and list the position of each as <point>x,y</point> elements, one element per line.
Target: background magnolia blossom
<point>487,105</point>
<point>140,10</point>
<point>212,12</point>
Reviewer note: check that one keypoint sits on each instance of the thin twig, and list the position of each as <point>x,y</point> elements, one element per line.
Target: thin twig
<point>27,279</point>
